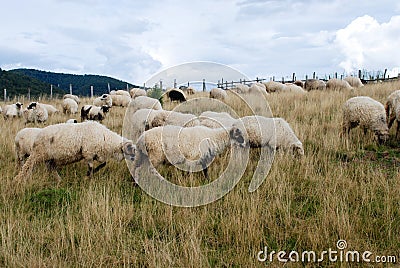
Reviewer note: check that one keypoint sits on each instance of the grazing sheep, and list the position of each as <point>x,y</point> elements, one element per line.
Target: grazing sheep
<point>314,84</point>
<point>74,97</point>
<point>392,108</point>
<point>12,110</point>
<point>91,112</point>
<point>136,92</point>
<point>257,88</point>
<point>273,132</point>
<point>368,114</point>
<point>216,120</point>
<point>104,99</point>
<point>162,118</point>
<point>176,94</point>
<point>273,86</point>
<point>50,109</point>
<point>241,89</point>
<point>120,100</point>
<point>354,81</point>
<point>24,143</point>
<point>143,102</point>
<point>35,112</point>
<point>293,88</point>
<point>194,147</point>
<point>188,90</point>
<point>337,84</point>
<point>71,121</point>
<point>69,106</point>
<point>61,144</point>
<point>219,94</point>
<point>299,83</point>
<point>120,92</point>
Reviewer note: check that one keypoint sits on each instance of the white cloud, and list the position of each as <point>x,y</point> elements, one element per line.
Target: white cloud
<point>367,44</point>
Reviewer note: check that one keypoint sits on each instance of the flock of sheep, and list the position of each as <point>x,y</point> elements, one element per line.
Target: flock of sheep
<point>172,137</point>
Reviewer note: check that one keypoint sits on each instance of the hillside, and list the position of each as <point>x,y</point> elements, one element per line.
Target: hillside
<point>80,83</point>
<point>18,84</point>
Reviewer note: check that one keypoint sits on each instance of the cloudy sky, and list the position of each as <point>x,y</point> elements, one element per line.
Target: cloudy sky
<point>133,40</point>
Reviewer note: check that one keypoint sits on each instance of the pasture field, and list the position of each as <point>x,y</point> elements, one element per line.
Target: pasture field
<point>342,189</point>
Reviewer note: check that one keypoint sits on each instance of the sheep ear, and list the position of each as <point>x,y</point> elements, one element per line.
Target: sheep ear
<point>129,150</point>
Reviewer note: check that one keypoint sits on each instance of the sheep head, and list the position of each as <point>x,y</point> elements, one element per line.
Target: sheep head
<point>237,137</point>
<point>297,150</point>
<point>129,150</point>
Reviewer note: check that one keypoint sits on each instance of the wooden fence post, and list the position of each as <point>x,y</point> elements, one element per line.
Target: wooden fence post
<point>204,85</point>
<point>5,95</point>
<point>51,92</point>
<point>91,91</point>
<point>313,75</point>
<point>29,94</point>
<point>359,74</point>
<point>70,89</point>
<point>294,77</point>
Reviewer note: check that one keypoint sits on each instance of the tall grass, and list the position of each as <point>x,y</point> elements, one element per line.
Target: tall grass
<point>343,188</point>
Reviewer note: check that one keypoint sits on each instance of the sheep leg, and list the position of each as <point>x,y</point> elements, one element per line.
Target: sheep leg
<point>205,171</point>
<point>391,120</point>
<point>51,167</point>
<point>99,167</point>
<point>398,129</point>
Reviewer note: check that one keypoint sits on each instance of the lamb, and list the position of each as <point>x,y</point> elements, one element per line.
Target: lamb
<point>50,109</point>
<point>143,102</point>
<point>192,147</point>
<point>294,88</point>
<point>70,106</point>
<point>120,100</point>
<point>368,114</point>
<point>337,84</point>
<point>273,86</point>
<point>136,92</point>
<point>74,97</point>
<point>24,143</point>
<point>35,112</point>
<point>91,112</point>
<point>176,94</point>
<point>273,132</point>
<point>219,94</point>
<point>12,110</point>
<point>354,81</point>
<point>392,108</point>
<point>314,84</point>
<point>216,120</point>
<point>61,144</point>
<point>120,92</point>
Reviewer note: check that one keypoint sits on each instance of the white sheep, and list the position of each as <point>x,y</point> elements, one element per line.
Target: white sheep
<point>368,114</point>
<point>61,144</point>
<point>136,92</point>
<point>69,106</point>
<point>12,110</point>
<point>293,88</point>
<point>314,84</point>
<point>104,99</point>
<point>337,84</point>
<point>257,88</point>
<point>392,108</point>
<point>74,97</point>
<point>50,109</point>
<point>120,92</point>
<point>35,112</point>
<point>273,132</point>
<point>91,112</point>
<point>192,147</point>
<point>71,121</point>
<point>120,100</point>
<point>272,86</point>
<point>241,89</point>
<point>354,81</point>
<point>24,143</point>
<point>135,124</point>
<point>218,93</point>
<point>216,120</point>
<point>143,102</point>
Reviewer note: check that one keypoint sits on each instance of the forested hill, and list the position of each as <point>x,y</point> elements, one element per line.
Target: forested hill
<point>18,84</point>
<point>80,83</point>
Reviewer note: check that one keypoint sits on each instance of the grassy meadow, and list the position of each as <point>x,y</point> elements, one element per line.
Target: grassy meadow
<point>343,188</point>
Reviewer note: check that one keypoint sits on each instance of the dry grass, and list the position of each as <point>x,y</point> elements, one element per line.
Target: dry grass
<point>342,189</point>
